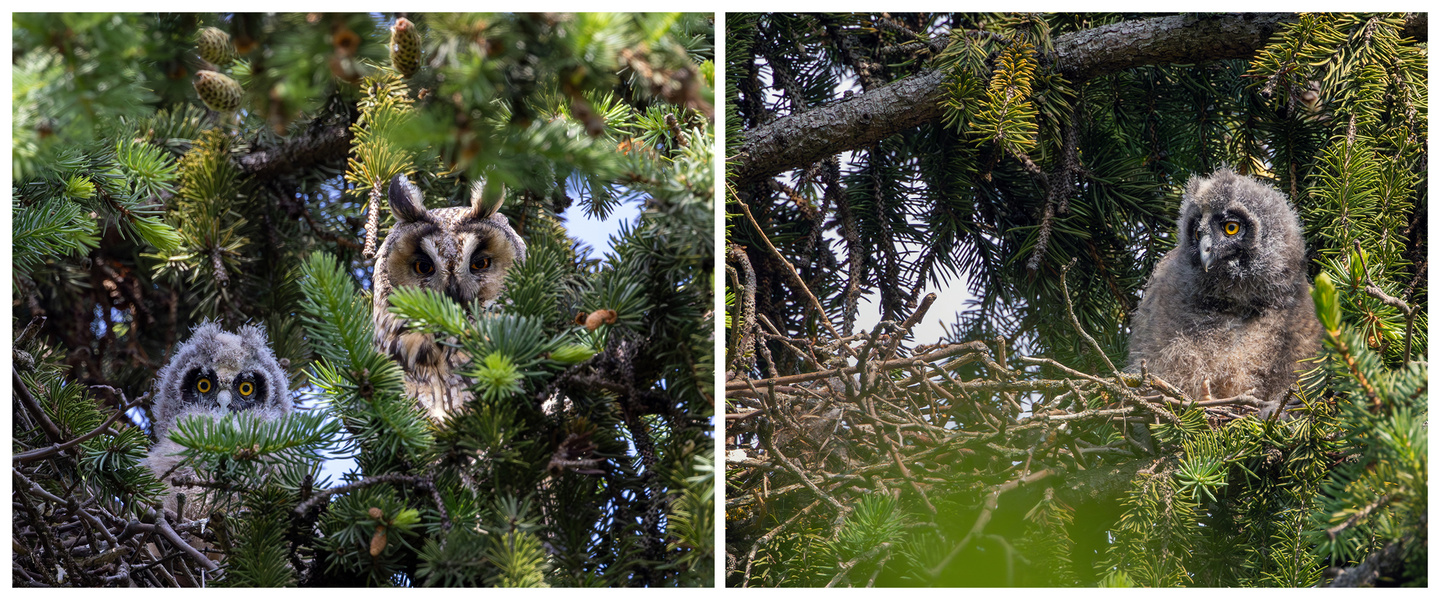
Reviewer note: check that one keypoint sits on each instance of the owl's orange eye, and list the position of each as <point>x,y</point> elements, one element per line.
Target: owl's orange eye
<point>423,266</point>
<point>479,263</point>
<point>203,386</point>
<point>1232,228</point>
<point>247,388</point>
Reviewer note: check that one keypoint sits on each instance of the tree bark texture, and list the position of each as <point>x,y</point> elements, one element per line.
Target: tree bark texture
<point>802,139</point>
<point>327,145</point>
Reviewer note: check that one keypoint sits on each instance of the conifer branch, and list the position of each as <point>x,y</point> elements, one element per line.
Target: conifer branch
<point>846,566</point>
<point>941,353</point>
<point>1405,308</point>
<point>162,526</point>
<point>36,411</point>
<point>1382,561</point>
<point>323,495</point>
<point>1075,322</point>
<point>1360,515</point>
<point>47,536</point>
<point>909,324</point>
<point>746,325</point>
<point>804,479</point>
<point>798,140</point>
<point>327,235</point>
<point>39,453</point>
<point>992,502</point>
<point>326,145</point>
<point>771,535</point>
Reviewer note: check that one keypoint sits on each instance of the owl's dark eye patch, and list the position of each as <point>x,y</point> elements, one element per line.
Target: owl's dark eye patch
<point>423,265</point>
<point>1193,228</point>
<point>250,386</point>
<point>199,383</point>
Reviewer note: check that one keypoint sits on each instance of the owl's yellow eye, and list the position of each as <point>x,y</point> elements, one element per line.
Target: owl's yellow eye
<point>423,266</point>
<point>479,263</point>
<point>247,388</point>
<point>1232,228</point>
<point>203,386</point>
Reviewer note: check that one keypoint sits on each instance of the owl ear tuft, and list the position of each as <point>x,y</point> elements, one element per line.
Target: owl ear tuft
<point>406,201</point>
<point>486,198</point>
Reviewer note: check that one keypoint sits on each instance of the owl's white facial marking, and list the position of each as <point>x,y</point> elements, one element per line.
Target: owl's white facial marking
<point>433,249</point>
<point>468,243</point>
<point>468,282</point>
<point>1206,257</point>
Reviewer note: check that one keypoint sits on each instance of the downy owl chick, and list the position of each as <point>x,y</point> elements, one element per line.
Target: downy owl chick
<point>1231,303</point>
<point>214,373</point>
<point>462,252</point>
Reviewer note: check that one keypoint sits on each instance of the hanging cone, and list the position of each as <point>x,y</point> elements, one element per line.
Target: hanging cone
<point>215,46</point>
<point>405,47</point>
<point>220,93</point>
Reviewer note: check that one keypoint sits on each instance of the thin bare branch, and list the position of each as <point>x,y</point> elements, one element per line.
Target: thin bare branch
<point>794,275</point>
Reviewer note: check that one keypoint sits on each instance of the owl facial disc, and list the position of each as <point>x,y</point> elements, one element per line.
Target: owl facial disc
<point>213,374</point>
<point>462,252</point>
<point>216,370</point>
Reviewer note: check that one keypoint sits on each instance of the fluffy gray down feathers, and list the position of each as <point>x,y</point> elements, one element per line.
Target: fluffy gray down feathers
<point>1230,304</point>
<point>227,360</point>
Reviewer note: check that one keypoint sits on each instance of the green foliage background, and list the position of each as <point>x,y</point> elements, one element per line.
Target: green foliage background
<point>138,212</point>
<point>995,457</point>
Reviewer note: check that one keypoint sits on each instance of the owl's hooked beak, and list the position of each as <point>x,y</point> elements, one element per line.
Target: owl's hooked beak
<point>224,399</point>
<point>459,292</point>
<point>1206,257</point>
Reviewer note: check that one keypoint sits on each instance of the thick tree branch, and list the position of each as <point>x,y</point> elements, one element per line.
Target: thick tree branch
<point>1385,561</point>
<point>165,530</point>
<point>329,144</point>
<point>1180,38</point>
<point>857,122</point>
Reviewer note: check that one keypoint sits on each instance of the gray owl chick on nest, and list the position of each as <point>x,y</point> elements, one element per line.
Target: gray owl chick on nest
<point>214,373</point>
<point>463,252</point>
<point>1231,303</point>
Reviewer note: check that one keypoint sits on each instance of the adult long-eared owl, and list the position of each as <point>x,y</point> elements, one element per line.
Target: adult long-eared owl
<point>462,252</point>
<point>1231,303</point>
<point>214,373</point>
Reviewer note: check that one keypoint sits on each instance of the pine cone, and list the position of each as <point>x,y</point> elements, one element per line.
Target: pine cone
<point>215,46</point>
<point>220,93</point>
<point>405,47</point>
